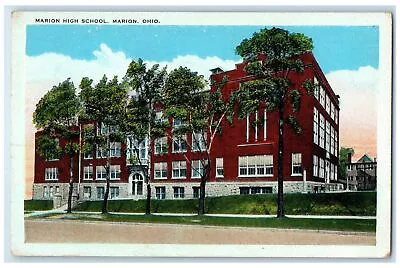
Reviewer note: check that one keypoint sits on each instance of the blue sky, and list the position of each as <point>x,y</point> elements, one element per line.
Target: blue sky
<point>336,48</point>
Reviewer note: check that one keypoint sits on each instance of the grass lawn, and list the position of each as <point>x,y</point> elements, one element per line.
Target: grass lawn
<point>37,205</point>
<point>285,223</point>
<point>349,204</point>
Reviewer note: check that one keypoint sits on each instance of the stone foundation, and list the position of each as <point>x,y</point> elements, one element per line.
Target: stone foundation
<point>212,189</point>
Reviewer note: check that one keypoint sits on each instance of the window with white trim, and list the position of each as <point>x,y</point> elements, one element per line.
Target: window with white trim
<point>315,125</point>
<point>45,192</point>
<point>88,173</point>
<point>101,152</point>
<point>328,104</point>
<point>332,140</point>
<point>160,192</point>
<point>321,131</point>
<point>322,96</point>
<point>321,168</point>
<point>332,175</point>
<point>179,144</point>
<point>88,154</point>
<point>115,172</point>
<point>197,169</point>
<point>255,166</point>
<point>296,164</point>
<point>160,145</point>
<point>114,192</point>
<point>336,173</point>
<point>57,189</point>
<point>101,173</point>
<point>55,154</point>
<point>336,144</point>
<point>179,192</point>
<point>115,149</point>
<point>219,167</point>
<point>51,174</point>
<point>336,115</point>
<point>51,191</point>
<point>87,192</point>
<point>328,136</point>
<point>179,169</point>
<point>100,192</point>
<point>160,170</point>
<point>332,112</point>
<point>104,129</point>
<point>196,191</point>
<point>199,142</point>
<point>327,171</point>
<point>316,88</point>
<point>315,166</point>
<point>265,124</point>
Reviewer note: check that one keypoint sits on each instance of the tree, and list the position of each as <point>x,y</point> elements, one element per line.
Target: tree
<point>104,105</point>
<point>343,157</point>
<point>273,57</point>
<point>140,122</point>
<point>57,115</point>
<point>201,112</point>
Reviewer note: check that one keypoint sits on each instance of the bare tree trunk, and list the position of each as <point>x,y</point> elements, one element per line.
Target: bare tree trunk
<point>71,184</point>
<point>202,198</point>
<point>105,200</point>
<point>148,199</point>
<point>280,211</point>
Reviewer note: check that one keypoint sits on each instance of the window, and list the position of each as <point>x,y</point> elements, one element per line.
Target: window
<point>179,192</point>
<point>54,155</point>
<point>336,115</point>
<point>114,192</point>
<point>328,104</point>
<point>197,169</point>
<point>321,131</point>
<point>88,173</point>
<point>179,169</point>
<point>115,149</point>
<point>296,164</point>
<point>87,192</point>
<point>322,96</point>
<point>244,190</point>
<point>199,142</point>
<point>179,145</point>
<point>315,166</point>
<point>160,192</point>
<point>51,174</point>
<point>247,128</point>
<point>88,154</point>
<point>332,111</point>
<point>328,136</point>
<point>177,123</point>
<point>101,173</point>
<point>315,126</point>
<point>196,192</point>
<point>332,141</point>
<point>160,170</point>
<point>45,192</point>
<point>101,152</point>
<point>57,189</point>
<point>332,176</point>
<point>115,172</point>
<point>160,145</point>
<point>327,171</point>
<point>255,190</point>
<point>321,168</point>
<point>255,166</point>
<point>316,83</point>
<point>137,184</point>
<point>335,173</point>
<point>336,144</point>
<point>100,192</point>
<point>104,129</point>
<point>219,163</point>
<point>51,191</point>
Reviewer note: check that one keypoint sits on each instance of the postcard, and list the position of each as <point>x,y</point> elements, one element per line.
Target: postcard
<point>201,134</point>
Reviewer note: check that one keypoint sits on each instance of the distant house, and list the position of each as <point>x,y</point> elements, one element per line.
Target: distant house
<point>361,175</point>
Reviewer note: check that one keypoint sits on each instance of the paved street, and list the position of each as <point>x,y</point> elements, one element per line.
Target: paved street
<point>62,231</point>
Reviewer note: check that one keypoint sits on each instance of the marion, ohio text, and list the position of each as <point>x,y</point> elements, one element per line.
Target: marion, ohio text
<point>96,21</point>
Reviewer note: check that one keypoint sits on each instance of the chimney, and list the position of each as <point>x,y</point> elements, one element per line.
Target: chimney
<point>349,158</point>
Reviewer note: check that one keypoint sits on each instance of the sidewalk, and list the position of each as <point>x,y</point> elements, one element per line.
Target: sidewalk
<point>42,213</point>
